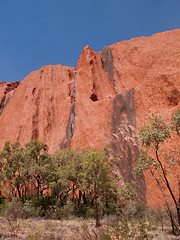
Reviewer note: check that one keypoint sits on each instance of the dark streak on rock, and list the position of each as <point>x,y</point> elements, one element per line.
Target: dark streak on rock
<point>66,142</point>
<point>108,64</point>
<point>3,103</point>
<point>124,140</point>
<point>19,133</point>
<point>35,127</point>
<point>70,126</point>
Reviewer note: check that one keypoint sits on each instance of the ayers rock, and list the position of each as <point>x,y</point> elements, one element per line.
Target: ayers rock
<point>103,102</point>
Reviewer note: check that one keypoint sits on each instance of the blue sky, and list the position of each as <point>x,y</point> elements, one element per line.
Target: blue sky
<point>34,33</point>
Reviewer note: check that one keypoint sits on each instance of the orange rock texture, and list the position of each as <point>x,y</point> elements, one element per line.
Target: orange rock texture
<point>103,102</point>
<point>6,92</point>
<point>39,109</point>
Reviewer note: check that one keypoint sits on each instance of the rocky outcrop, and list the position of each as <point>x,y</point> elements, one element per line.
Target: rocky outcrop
<point>103,102</point>
<point>94,99</point>
<point>40,107</point>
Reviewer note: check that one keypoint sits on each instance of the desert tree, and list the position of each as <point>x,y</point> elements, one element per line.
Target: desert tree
<point>12,176</point>
<point>38,163</point>
<point>98,181</point>
<point>160,161</point>
<point>64,180</point>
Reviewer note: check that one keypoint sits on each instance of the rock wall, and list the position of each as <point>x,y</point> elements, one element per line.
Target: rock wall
<point>40,107</point>
<point>103,102</point>
<point>6,92</point>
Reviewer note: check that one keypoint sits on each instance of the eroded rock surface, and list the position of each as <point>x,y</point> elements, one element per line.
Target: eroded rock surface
<point>40,107</point>
<point>124,141</point>
<point>6,92</point>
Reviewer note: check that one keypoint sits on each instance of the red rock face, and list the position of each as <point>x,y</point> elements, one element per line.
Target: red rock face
<point>151,65</point>
<point>40,107</point>
<point>93,105</point>
<point>6,92</point>
<point>103,102</point>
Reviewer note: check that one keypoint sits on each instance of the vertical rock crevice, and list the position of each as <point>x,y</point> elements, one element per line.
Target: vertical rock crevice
<point>2,104</point>
<point>71,121</point>
<point>35,117</point>
<point>108,65</point>
<point>124,141</point>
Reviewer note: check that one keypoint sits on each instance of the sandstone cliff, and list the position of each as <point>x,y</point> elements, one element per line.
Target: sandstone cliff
<point>6,92</point>
<point>103,102</point>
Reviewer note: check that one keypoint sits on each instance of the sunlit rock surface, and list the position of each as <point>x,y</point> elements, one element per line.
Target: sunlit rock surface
<point>103,102</point>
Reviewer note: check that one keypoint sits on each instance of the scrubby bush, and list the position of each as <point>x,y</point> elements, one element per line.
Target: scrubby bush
<point>130,228</point>
<point>12,213</point>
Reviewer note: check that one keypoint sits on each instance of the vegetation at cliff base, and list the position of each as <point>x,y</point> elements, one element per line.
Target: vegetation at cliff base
<point>71,180</point>
<point>70,183</point>
<point>83,184</point>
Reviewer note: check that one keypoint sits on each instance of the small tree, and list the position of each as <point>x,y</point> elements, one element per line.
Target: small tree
<point>11,172</point>
<point>37,165</point>
<point>98,181</point>
<point>64,180</point>
<point>158,161</point>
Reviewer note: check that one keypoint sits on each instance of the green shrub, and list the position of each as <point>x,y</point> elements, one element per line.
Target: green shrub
<point>136,210</point>
<point>111,209</point>
<point>128,228</point>
<point>3,205</point>
<point>82,210</point>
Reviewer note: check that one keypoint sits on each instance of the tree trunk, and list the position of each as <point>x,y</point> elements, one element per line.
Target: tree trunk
<point>73,192</point>
<point>178,204</point>
<point>96,207</point>
<point>178,215</point>
<point>61,199</point>
<point>19,192</point>
<point>38,189</point>
<point>173,225</point>
<point>79,199</point>
<point>84,198</point>
<point>169,188</point>
<point>25,192</point>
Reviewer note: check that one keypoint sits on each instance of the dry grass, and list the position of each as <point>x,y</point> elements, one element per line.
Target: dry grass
<point>73,229</point>
<point>51,229</point>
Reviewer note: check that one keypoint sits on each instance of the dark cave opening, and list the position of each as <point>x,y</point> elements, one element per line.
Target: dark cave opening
<point>33,91</point>
<point>93,97</point>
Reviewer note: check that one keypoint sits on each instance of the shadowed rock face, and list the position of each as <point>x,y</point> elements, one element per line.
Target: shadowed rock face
<point>2,104</point>
<point>108,64</point>
<point>82,108</point>
<point>124,142</point>
<point>66,142</point>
